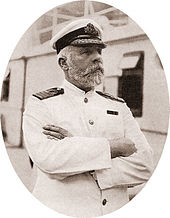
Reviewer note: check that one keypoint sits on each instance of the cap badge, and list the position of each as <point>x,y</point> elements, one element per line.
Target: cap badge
<point>91,30</point>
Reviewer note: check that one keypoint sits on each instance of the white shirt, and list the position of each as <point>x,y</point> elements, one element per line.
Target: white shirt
<point>64,182</point>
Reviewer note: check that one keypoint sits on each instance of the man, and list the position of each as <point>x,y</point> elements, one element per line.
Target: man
<point>86,145</point>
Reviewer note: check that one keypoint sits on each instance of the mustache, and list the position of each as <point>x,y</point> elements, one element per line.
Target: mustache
<point>95,67</point>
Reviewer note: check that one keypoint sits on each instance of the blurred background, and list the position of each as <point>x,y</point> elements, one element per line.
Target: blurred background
<point>133,71</point>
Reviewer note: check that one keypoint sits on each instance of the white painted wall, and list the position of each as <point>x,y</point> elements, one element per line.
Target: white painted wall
<point>42,73</point>
<point>155,91</point>
<point>12,108</point>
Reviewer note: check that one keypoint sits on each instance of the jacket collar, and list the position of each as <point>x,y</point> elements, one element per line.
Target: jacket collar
<point>74,89</point>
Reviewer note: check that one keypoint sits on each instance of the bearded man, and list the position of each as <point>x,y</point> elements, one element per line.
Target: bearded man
<point>86,145</point>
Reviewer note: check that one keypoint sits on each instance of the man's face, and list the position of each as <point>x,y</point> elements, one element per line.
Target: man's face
<point>85,67</point>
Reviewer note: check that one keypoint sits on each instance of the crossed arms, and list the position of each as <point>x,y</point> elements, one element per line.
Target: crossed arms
<point>119,147</point>
<point>122,161</point>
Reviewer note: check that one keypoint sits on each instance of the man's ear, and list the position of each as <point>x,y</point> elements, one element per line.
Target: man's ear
<point>63,64</point>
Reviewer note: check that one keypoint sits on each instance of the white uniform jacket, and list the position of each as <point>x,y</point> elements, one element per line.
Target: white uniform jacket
<point>64,181</point>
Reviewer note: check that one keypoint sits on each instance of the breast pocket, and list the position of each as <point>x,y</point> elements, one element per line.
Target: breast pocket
<point>113,124</point>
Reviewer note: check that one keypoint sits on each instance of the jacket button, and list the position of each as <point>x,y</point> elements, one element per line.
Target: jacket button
<point>91,122</point>
<point>85,100</point>
<point>104,202</point>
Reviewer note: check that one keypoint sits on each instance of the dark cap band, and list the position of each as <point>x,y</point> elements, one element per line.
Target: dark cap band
<point>82,36</point>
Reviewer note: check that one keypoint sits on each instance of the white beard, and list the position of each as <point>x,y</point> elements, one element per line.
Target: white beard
<point>89,78</point>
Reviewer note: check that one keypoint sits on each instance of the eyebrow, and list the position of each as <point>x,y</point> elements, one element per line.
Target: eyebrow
<point>90,49</point>
<point>84,49</point>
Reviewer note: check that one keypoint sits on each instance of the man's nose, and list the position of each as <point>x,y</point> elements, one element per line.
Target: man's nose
<point>96,57</point>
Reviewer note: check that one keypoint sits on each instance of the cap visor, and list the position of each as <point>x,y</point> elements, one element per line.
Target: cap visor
<point>86,42</point>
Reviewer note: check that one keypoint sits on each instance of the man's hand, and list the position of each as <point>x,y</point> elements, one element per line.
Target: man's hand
<point>121,147</point>
<point>56,132</point>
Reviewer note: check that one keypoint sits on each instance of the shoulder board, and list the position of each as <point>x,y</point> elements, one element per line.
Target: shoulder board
<point>49,93</point>
<point>106,95</point>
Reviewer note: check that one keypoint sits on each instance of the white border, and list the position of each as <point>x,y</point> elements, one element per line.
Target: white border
<point>15,17</point>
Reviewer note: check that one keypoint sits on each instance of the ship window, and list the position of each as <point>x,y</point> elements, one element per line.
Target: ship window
<point>130,86</point>
<point>5,87</point>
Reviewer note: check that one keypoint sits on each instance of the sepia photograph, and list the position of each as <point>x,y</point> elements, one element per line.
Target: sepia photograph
<point>84,108</point>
